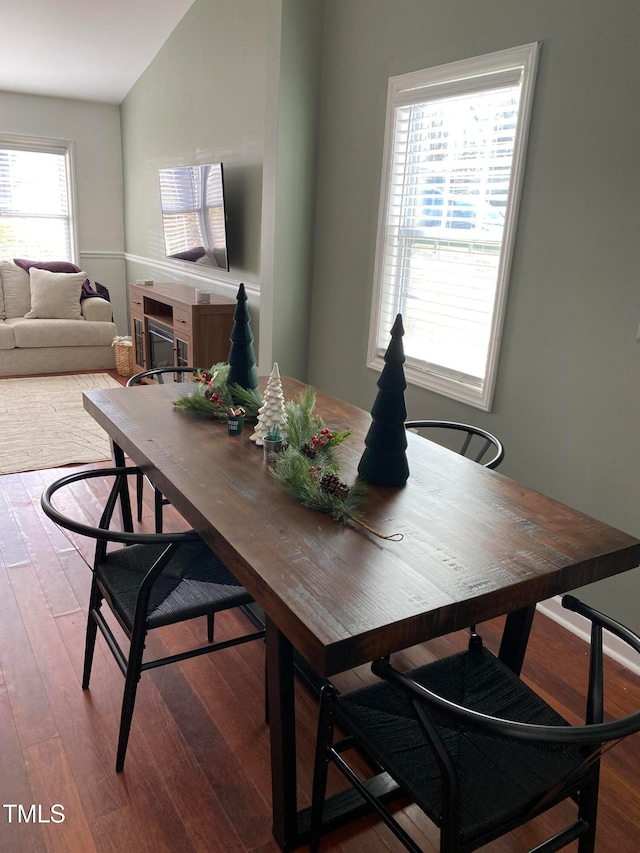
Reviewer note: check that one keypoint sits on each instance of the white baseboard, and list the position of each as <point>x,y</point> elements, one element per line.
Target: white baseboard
<point>578,625</point>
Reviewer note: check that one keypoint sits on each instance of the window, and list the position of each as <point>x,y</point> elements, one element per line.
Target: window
<point>453,165</point>
<point>35,201</point>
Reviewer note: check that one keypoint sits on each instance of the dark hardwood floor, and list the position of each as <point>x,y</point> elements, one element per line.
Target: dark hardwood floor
<point>197,770</point>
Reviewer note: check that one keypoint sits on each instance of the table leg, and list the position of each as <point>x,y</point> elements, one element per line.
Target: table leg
<point>515,638</point>
<point>291,828</point>
<point>283,737</point>
<point>119,460</point>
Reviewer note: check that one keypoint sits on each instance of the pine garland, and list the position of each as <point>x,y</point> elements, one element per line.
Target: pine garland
<point>303,426</point>
<point>304,482</point>
<point>211,396</point>
<point>308,469</point>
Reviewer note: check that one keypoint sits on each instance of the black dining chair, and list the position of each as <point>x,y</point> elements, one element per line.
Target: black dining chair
<point>470,743</point>
<point>159,374</point>
<point>476,443</point>
<point>157,579</point>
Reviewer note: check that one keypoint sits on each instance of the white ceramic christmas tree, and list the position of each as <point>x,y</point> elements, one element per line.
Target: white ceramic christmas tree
<point>271,413</point>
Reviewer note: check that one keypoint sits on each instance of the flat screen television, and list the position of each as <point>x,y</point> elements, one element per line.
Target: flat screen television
<point>193,216</point>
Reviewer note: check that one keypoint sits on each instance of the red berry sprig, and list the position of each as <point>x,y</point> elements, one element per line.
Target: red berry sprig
<point>322,439</point>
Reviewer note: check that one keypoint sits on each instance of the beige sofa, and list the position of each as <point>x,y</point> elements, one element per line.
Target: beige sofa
<point>29,346</point>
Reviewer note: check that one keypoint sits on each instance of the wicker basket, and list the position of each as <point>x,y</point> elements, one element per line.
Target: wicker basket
<point>124,359</point>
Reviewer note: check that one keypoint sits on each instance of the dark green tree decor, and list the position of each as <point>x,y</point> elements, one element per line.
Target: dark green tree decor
<point>242,358</point>
<point>384,461</point>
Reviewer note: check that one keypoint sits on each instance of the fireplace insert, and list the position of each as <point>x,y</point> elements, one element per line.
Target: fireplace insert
<point>160,344</point>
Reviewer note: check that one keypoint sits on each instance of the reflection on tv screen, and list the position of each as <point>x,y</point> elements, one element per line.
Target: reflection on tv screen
<point>193,216</point>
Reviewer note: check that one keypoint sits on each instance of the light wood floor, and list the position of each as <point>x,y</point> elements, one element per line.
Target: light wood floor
<point>197,770</point>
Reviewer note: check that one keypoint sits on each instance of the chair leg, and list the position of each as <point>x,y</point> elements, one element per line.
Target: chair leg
<point>320,769</point>
<point>95,600</point>
<point>139,491</point>
<point>128,700</point>
<point>588,811</point>
<point>158,502</point>
<point>475,640</point>
<point>266,693</point>
<point>210,625</point>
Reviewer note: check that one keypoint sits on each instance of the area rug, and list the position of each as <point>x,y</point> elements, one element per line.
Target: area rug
<point>43,423</point>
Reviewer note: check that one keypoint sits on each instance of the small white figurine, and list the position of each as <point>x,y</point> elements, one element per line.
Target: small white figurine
<point>271,413</point>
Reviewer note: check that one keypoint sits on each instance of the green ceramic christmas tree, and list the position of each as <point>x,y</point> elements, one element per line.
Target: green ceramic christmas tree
<point>242,358</point>
<point>384,461</point>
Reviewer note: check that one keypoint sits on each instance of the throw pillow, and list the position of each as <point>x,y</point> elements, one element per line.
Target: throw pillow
<point>58,266</point>
<point>51,266</point>
<point>55,295</point>
<point>15,285</point>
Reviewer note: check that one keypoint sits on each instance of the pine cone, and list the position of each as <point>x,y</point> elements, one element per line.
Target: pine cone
<point>308,451</point>
<point>332,485</point>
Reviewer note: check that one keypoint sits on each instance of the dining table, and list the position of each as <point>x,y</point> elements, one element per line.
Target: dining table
<point>467,544</point>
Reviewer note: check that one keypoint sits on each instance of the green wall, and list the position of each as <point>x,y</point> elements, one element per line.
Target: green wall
<point>237,81</point>
<point>566,405</point>
<point>202,99</point>
<point>300,66</point>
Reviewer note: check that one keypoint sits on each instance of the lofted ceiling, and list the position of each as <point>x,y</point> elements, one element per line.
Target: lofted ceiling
<point>88,49</point>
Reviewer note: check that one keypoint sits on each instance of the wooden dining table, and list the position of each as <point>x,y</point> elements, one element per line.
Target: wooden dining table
<point>474,545</point>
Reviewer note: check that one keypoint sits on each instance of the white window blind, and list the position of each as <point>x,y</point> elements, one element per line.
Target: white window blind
<point>454,155</point>
<point>35,204</point>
